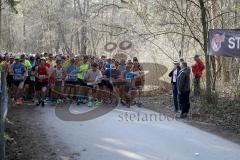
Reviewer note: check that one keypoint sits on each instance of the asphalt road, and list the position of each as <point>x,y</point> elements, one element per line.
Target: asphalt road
<point>137,134</point>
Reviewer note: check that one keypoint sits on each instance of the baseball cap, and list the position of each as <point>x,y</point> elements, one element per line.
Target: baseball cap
<point>113,66</point>
<point>176,62</point>
<point>17,57</point>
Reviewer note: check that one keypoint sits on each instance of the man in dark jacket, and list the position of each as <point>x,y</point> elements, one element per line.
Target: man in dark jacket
<point>173,74</point>
<point>183,85</point>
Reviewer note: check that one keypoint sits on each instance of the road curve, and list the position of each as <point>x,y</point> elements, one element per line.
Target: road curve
<point>115,137</point>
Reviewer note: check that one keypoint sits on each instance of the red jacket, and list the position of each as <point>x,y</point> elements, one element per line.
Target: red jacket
<point>198,68</point>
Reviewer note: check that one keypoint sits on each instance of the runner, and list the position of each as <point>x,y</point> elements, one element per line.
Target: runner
<point>76,72</point>
<point>50,60</point>
<point>129,76</point>
<point>58,74</point>
<point>82,71</point>
<point>51,64</point>
<point>10,76</point>
<point>93,77</point>
<point>122,65</point>
<point>139,80</point>
<point>41,73</point>
<point>111,75</point>
<point>28,82</point>
<point>71,73</point>
<point>71,77</point>
<point>18,80</point>
<point>108,63</point>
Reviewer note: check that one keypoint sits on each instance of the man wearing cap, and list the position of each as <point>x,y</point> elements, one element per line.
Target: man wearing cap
<point>174,74</point>
<point>112,72</point>
<point>18,71</point>
<point>197,70</point>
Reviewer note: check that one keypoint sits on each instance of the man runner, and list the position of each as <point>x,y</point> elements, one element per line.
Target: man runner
<point>18,79</point>
<point>41,72</point>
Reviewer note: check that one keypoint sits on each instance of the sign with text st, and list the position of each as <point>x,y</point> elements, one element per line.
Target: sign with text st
<point>224,42</point>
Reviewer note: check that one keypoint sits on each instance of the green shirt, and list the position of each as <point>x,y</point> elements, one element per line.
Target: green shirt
<point>82,70</point>
<point>1,65</point>
<point>27,64</point>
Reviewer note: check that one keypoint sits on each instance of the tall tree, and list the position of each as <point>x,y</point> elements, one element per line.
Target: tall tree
<point>205,39</point>
<point>12,4</point>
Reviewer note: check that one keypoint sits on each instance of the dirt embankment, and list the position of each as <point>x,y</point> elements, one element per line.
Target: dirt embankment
<point>28,140</point>
<point>221,119</point>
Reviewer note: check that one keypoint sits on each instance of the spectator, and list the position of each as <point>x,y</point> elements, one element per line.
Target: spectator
<point>197,70</point>
<point>183,87</point>
<point>174,74</point>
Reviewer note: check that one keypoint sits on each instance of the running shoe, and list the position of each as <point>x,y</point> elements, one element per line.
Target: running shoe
<point>98,103</point>
<point>80,99</point>
<point>18,102</point>
<point>90,103</point>
<point>21,101</point>
<point>139,104</point>
<point>38,103</point>
<point>59,101</point>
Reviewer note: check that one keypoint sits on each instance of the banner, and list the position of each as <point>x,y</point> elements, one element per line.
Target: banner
<point>224,42</point>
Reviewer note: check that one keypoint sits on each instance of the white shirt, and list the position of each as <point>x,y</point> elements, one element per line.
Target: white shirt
<point>175,75</point>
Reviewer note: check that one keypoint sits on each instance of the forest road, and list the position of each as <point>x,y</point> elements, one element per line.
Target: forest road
<point>136,134</point>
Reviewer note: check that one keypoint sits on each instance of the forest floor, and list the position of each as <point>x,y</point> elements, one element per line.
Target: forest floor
<point>222,119</point>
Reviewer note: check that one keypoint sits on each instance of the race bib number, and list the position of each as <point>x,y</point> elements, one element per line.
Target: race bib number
<point>18,77</point>
<point>59,77</point>
<point>72,77</point>
<point>32,78</point>
<point>41,77</point>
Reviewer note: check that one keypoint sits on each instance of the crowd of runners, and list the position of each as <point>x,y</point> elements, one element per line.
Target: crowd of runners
<point>45,76</point>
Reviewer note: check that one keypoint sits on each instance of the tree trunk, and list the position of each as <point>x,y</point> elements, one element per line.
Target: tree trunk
<point>214,60</point>
<point>64,39</point>
<point>24,34</point>
<point>0,24</point>
<point>9,41</point>
<point>83,41</point>
<point>205,38</point>
<point>57,48</point>
<point>84,28</point>
<point>182,36</point>
<point>78,44</point>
